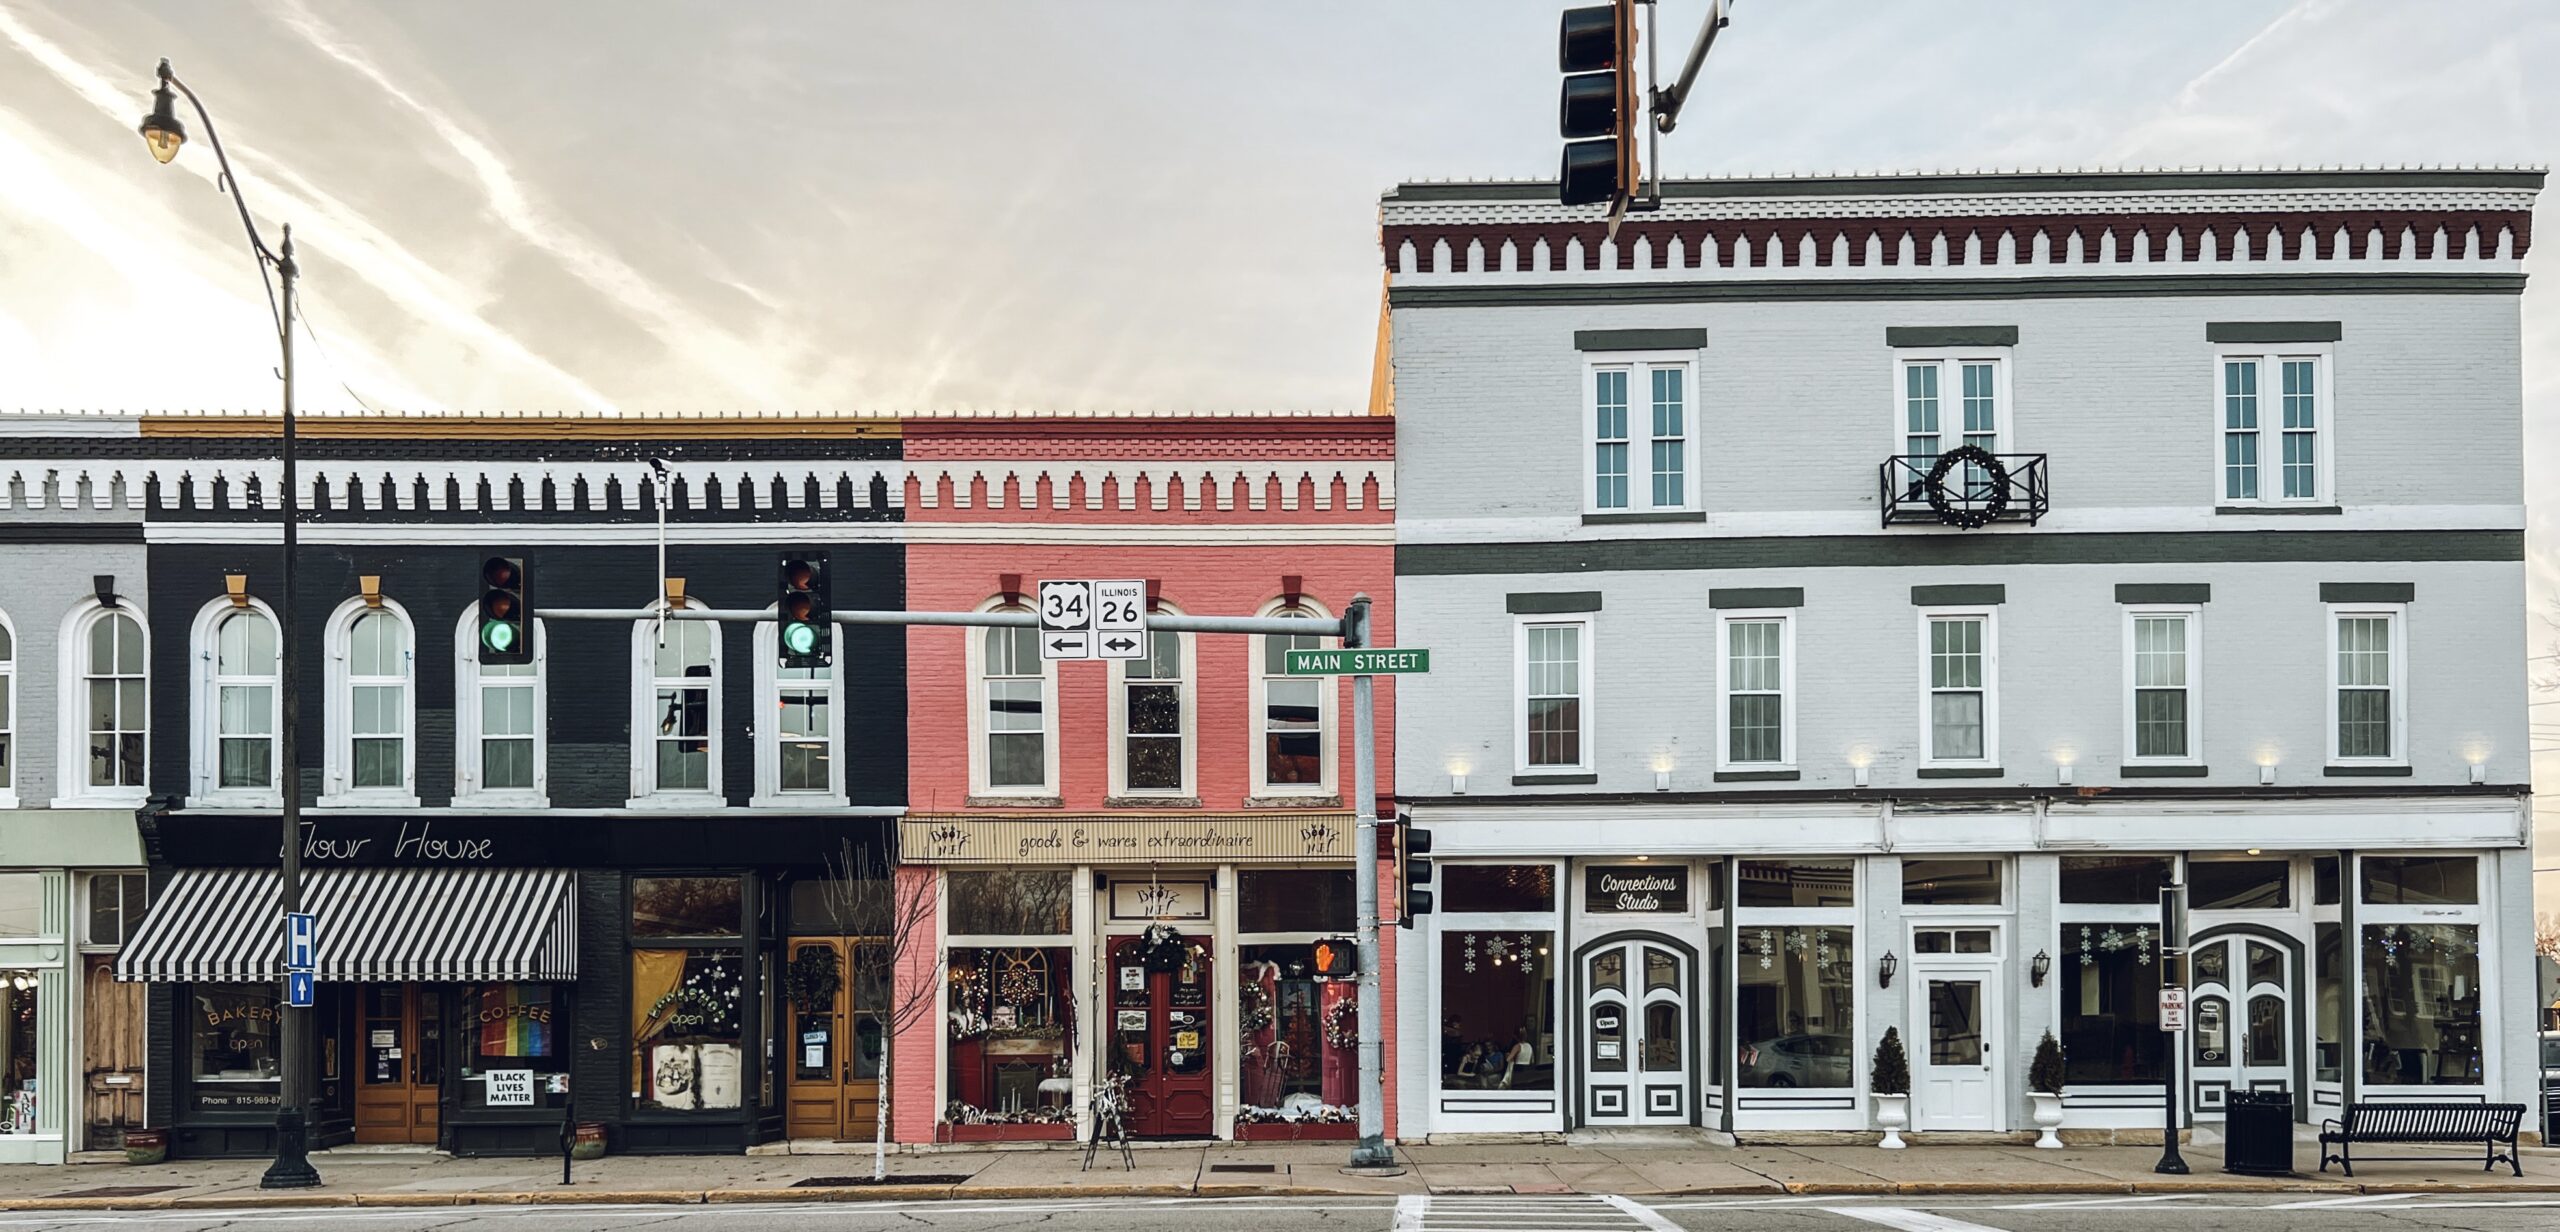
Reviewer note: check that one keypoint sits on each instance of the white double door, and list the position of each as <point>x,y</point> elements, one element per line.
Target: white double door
<point>1638,1033</point>
<point>2242,1023</point>
<point>1955,1070</point>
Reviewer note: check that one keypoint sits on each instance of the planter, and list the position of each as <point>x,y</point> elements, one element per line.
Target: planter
<point>2048,1113</point>
<point>1063,1131</point>
<point>1292,1131</point>
<point>1893,1112</point>
<point>146,1146</point>
<point>589,1143</point>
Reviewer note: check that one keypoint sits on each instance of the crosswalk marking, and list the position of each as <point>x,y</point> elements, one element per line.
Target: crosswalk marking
<point>1527,1213</point>
<point>2359,1200</point>
<point>1908,1220</point>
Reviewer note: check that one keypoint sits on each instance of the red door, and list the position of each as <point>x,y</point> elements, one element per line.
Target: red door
<point>1161,1041</point>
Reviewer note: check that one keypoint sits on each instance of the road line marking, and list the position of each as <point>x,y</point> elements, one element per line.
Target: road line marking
<point>2358,1200</point>
<point>1908,1220</point>
<point>1409,1212</point>
<point>1640,1213</point>
<point>2098,1203</point>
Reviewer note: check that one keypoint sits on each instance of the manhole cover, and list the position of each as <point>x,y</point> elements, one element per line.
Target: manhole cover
<point>118,1191</point>
<point>904,1178</point>
<point>1244,1167</point>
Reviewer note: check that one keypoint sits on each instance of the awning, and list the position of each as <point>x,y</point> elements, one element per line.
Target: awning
<point>220,925</point>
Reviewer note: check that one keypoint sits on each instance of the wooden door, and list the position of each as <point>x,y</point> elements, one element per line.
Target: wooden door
<point>400,1035</point>
<point>836,1045</point>
<point>1161,1042</point>
<point>111,1052</point>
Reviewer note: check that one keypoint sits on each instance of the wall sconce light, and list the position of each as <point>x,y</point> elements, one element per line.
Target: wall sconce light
<point>2062,774</point>
<point>2039,967</point>
<point>2266,774</point>
<point>1858,775</point>
<point>1885,967</point>
<point>2479,772</point>
<point>370,586</point>
<point>236,585</point>
<point>1662,779</point>
<point>1457,782</point>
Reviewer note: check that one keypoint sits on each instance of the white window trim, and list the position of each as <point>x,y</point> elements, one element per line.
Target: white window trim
<point>2399,616</point>
<point>467,792</point>
<point>2271,424</point>
<point>1990,618</point>
<point>2004,416</point>
<point>974,645</point>
<point>1327,698</point>
<point>71,743</point>
<point>1725,619</point>
<point>1589,677</point>
<point>1189,692</point>
<point>9,714</point>
<point>768,735</point>
<point>2194,616</point>
<point>1639,429</point>
<point>205,703</point>
<point>645,793</point>
<point>337,768</point>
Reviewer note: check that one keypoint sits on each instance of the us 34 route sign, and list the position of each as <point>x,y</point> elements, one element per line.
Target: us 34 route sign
<point>1082,619</point>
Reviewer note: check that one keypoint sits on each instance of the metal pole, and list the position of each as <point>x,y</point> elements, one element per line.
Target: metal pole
<point>1666,103</point>
<point>1372,1152</point>
<point>2174,1043</point>
<point>292,1167</point>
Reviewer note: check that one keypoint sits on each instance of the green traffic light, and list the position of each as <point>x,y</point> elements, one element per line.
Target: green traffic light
<point>799,639</point>
<point>498,635</point>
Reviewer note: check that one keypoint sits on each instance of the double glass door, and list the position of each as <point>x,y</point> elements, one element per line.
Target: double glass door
<point>837,1040</point>
<point>1637,1035</point>
<point>1160,1037</point>
<point>2242,1031</point>
<point>402,1042</point>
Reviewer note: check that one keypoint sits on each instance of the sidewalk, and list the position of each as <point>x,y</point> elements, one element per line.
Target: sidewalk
<point>1640,1168</point>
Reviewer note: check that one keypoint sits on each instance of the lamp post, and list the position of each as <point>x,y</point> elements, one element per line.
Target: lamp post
<point>162,131</point>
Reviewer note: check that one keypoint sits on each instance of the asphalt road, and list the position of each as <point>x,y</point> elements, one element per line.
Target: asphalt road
<point>1491,1213</point>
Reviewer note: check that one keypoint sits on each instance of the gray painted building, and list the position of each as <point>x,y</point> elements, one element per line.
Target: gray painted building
<point>1764,721</point>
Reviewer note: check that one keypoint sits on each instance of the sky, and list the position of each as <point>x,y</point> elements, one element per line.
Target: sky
<point>1160,205</point>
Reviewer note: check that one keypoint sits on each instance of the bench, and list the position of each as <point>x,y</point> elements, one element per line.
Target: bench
<point>2486,1124</point>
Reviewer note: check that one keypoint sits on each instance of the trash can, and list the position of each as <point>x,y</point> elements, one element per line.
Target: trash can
<point>2257,1133</point>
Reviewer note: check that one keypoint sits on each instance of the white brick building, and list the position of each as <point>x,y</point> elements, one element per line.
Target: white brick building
<point>1730,715</point>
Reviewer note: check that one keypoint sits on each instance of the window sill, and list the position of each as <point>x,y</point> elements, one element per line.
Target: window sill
<point>2162,770</point>
<point>2276,510</point>
<point>501,800</point>
<point>366,800</point>
<point>2365,771</point>
<point>1145,802</point>
<point>1758,776</point>
<point>231,800</point>
<point>1960,772</point>
<point>1021,802</point>
<point>1566,779</point>
<point>813,800</point>
<point>8,799</point>
<point>1329,800</point>
<point>126,797</point>
<point>671,801</point>
<point>1640,519</point>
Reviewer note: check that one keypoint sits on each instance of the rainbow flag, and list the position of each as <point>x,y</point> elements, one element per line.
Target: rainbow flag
<point>514,1020</point>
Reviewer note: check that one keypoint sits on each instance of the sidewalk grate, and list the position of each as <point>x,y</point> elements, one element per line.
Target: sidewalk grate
<point>117,1191</point>
<point>1244,1168</point>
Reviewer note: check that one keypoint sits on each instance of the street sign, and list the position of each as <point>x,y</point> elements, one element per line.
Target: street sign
<point>1120,619</point>
<point>1066,620</point>
<point>297,989</point>
<point>1077,645</point>
<point>1375,662</point>
<point>2173,1009</point>
<point>301,940</point>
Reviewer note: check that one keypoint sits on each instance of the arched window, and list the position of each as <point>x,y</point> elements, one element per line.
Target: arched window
<point>108,710</point>
<point>8,712</point>
<point>237,704</point>
<point>499,718</point>
<point>372,706</point>
<point>1013,697</point>
<point>1292,715</point>
<point>796,759</point>
<point>1151,720</point>
<point>676,711</point>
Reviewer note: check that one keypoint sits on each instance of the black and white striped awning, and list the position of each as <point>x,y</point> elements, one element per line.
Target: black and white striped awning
<point>220,925</point>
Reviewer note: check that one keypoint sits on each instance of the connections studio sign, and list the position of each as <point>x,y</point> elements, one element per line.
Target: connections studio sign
<point>1641,889</point>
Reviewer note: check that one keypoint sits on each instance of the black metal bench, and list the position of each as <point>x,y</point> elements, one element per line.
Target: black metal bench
<point>2486,1124</point>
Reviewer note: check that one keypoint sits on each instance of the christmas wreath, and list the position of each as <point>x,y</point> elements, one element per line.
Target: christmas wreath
<point>812,979</point>
<point>1256,1008</point>
<point>1965,512</point>
<point>1161,947</point>
<point>1342,1024</point>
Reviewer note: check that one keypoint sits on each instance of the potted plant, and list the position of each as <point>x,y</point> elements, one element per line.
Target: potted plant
<point>1889,1079</point>
<point>2044,1080</point>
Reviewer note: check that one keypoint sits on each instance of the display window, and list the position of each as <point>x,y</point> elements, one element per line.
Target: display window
<point>687,1051</point>
<point>1497,1007</point>
<point>1298,1035</point>
<point>232,1038</point>
<point>511,1055</point>
<point>19,1018</point>
<point>1795,1006</point>
<point>1012,1035</point>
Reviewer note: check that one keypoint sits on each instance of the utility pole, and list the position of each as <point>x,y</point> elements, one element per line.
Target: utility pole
<point>1371,1153</point>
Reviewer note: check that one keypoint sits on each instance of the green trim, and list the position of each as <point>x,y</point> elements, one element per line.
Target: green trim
<point>2273,510</point>
<point>1888,551</point>
<point>2274,331</point>
<point>1757,596</point>
<point>1555,780</point>
<point>1553,603</point>
<point>2367,772</point>
<point>1544,191</point>
<point>1960,772</point>
<point>1962,592</point>
<point>1640,519</point>
<point>2368,592</point>
<point>1950,335</point>
<point>1758,776</point>
<point>1639,339</point>
<point>2162,772</point>
<point>2164,592</point>
<point>2069,287</point>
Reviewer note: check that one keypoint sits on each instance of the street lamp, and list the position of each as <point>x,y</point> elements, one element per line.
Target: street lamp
<point>164,134</point>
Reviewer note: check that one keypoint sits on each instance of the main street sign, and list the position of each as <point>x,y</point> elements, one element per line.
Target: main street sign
<point>1374,662</point>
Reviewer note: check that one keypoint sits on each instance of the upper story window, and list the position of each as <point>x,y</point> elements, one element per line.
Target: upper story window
<point>1153,715</point>
<point>1959,687</point>
<point>1013,697</point>
<point>372,706</point>
<point>1292,745</point>
<point>238,704</point>
<point>106,707</point>
<point>676,749</point>
<point>2164,663</point>
<point>1637,455</point>
<point>499,708</point>
<point>8,711</point>
<point>1950,399</point>
<point>2275,438</point>
<point>1555,711</point>
<point>2368,670</point>
<point>1759,672</point>
<point>796,760</point>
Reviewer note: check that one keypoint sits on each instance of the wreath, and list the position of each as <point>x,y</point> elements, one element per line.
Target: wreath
<point>1161,947</point>
<point>812,979</point>
<point>1256,1008</point>
<point>1342,1024</point>
<point>1967,515</point>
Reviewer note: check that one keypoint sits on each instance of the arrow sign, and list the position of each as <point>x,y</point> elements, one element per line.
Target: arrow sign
<point>297,989</point>
<point>1075,645</point>
<point>1123,646</point>
<point>1374,662</point>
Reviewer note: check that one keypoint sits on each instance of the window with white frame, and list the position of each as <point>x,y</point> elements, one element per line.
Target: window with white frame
<point>1759,670</point>
<point>1292,751</point>
<point>2368,703</point>
<point>372,705</point>
<point>796,761</point>
<point>238,703</point>
<point>2274,432</point>
<point>1637,455</point>
<point>499,711</point>
<point>1959,687</point>
<point>116,706</point>
<point>1015,698</point>
<point>2163,665</point>
<point>679,745</point>
<point>1154,716</point>
<point>8,711</point>
<point>1555,695</point>
<point>1950,399</point>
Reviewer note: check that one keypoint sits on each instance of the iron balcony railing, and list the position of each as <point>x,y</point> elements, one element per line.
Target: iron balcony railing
<point>1965,487</point>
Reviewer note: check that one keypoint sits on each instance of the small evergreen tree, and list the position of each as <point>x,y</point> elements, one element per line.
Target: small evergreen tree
<point>1890,1074</point>
<point>2045,1072</point>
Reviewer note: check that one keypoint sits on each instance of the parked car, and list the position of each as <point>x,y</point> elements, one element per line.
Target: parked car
<point>1796,1061</point>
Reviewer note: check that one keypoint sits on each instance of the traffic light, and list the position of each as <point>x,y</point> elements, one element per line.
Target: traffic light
<point>1413,852</point>
<point>1596,50</point>
<point>803,609</point>
<point>1337,958</point>
<point>506,611</point>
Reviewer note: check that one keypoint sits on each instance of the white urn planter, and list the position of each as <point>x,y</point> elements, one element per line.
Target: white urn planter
<point>2048,1114</point>
<point>1893,1112</point>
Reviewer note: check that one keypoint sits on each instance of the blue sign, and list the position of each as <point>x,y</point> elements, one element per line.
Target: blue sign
<point>301,939</point>
<point>297,989</point>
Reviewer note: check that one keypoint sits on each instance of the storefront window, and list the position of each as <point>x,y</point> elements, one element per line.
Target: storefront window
<point>2329,977</point>
<point>234,1032</point>
<point>1949,883</point>
<point>1795,1003</point>
<point>685,907</point>
<point>2421,880</point>
<point>2421,1003</point>
<point>686,1050</point>
<point>1497,1006</point>
<point>1300,1037</point>
<point>511,1055</point>
<point>1294,901</point>
<point>1011,1016</point>
<point>1011,902</point>
<point>1796,883</point>
<point>18,1052</point>
<point>1497,887</point>
<point>2239,885</point>
<point>2114,879</point>
<point>2324,881</point>
<point>2111,1003</point>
